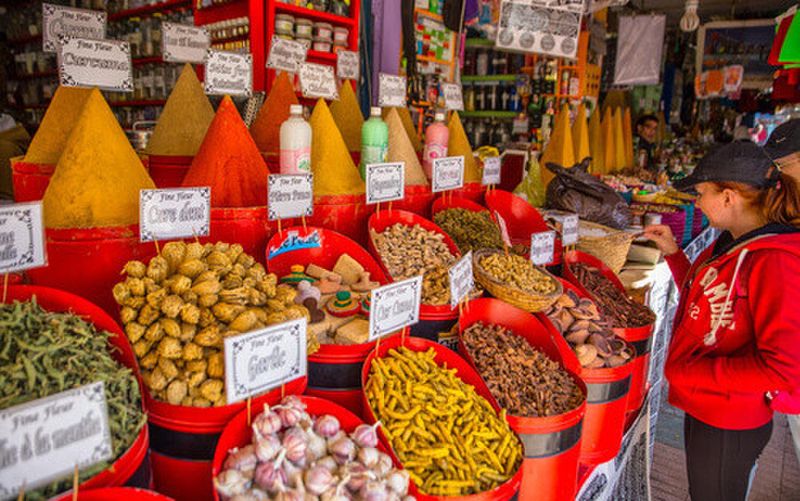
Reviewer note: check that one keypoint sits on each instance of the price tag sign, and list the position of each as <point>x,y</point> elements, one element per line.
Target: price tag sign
<point>286,55</point>
<point>385,182</point>
<point>453,98</point>
<point>228,73</point>
<point>184,44</point>
<point>394,306</point>
<point>318,80</point>
<point>95,63</point>
<point>461,279</point>
<point>43,440</point>
<point>391,91</point>
<point>174,213</point>
<point>347,65</point>
<point>543,247</point>
<point>448,173</point>
<point>265,359</point>
<point>491,171</point>
<point>21,237</point>
<point>290,195</point>
<point>67,21</point>
<point>569,227</point>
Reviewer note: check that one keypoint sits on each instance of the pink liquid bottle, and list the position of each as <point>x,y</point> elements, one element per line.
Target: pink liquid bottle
<point>436,138</point>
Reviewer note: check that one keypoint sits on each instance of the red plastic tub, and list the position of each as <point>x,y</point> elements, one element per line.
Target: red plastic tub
<point>471,191</point>
<point>334,372</point>
<point>347,214</point>
<point>577,256</point>
<point>247,226</point>
<point>30,180</point>
<point>445,202</point>
<point>168,171</point>
<point>117,494</point>
<point>552,444</point>
<point>506,491</point>
<point>417,199</point>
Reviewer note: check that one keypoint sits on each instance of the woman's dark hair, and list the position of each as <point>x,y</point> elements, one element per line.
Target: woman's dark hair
<point>646,118</point>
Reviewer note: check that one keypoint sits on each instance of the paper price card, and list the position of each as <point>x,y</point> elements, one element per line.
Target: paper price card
<point>461,279</point>
<point>543,247</point>
<point>394,306</point>
<point>43,440</point>
<point>385,182</point>
<point>67,21</point>
<point>21,237</point>
<point>318,80</point>
<point>95,63</point>
<point>569,228</point>
<point>347,65</point>
<point>265,359</point>
<point>453,98</point>
<point>448,173</point>
<point>391,90</point>
<point>184,44</point>
<point>174,213</point>
<point>286,55</point>
<point>290,195</point>
<point>228,73</point>
<point>491,171</point>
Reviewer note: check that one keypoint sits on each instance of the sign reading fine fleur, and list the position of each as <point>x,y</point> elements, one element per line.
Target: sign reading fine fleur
<point>21,237</point>
<point>95,63</point>
<point>385,182</point>
<point>228,73</point>
<point>58,20</point>
<point>174,213</point>
<point>290,195</point>
<point>394,306</point>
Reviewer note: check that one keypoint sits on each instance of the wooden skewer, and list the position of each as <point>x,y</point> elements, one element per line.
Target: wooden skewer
<point>5,287</point>
<point>249,417</point>
<point>75,484</point>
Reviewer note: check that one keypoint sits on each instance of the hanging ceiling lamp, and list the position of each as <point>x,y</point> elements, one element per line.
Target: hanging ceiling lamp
<point>690,21</point>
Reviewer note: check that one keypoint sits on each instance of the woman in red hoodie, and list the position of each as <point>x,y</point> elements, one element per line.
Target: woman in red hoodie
<point>736,335</point>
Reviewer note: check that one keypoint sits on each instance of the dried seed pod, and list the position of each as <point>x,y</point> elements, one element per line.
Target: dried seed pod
<point>193,251</point>
<point>172,305</point>
<point>168,368</point>
<point>147,315</point>
<point>155,379</point>
<point>171,327</point>
<point>206,318</point>
<point>135,269</point>
<point>244,322</point>
<point>208,300</point>
<point>173,253</point>
<point>188,331</point>
<point>169,348</point>
<point>134,331</point>
<point>218,260</point>
<point>121,292</point>
<point>176,392</point>
<point>155,299</point>
<point>216,365</point>
<point>211,389</point>
<point>227,312</point>
<point>141,347</point>
<point>210,336</point>
<point>135,286</point>
<point>154,332</point>
<point>135,302</point>
<point>157,269</point>
<point>196,366</point>
<point>191,351</point>
<point>192,268</point>
<point>190,313</point>
<point>207,287</point>
<point>149,361</point>
<point>180,284</point>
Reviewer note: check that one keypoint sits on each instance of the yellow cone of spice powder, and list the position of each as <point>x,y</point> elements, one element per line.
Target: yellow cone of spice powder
<point>457,145</point>
<point>333,167</point>
<point>401,150</point>
<point>408,125</point>
<point>266,128</point>
<point>580,135</point>
<point>619,140</point>
<point>559,149</point>
<point>59,120</point>
<point>608,142</point>
<point>347,116</point>
<point>628,136</point>
<point>98,177</point>
<point>183,123</point>
<point>596,144</point>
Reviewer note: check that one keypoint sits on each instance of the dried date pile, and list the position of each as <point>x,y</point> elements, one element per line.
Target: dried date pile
<point>615,306</point>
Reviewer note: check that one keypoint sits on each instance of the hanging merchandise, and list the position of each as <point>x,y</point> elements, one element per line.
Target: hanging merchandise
<point>639,48</point>
<point>543,29</point>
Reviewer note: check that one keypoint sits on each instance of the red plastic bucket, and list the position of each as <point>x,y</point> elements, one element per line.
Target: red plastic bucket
<point>470,191</point>
<point>168,171</point>
<point>576,256</point>
<point>247,226</point>
<point>552,444</point>
<point>88,262</point>
<point>446,201</point>
<point>418,199</point>
<point>508,490</point>
<point>347,214</point>
<point>117,494</point>
<point>334,372</point>
<point>30,180</point>
<point>640,338</point>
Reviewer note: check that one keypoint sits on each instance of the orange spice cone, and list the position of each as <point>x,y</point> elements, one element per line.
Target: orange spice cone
<point>266,127</point>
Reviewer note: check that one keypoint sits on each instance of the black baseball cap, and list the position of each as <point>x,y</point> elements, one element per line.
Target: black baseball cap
<point>740,161</point>
<point>784,140</point>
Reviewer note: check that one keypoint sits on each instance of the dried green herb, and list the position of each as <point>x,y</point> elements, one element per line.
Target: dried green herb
<point>469,229</point>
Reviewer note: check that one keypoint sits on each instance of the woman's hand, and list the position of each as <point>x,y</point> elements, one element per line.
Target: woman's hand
<point>662,235</point>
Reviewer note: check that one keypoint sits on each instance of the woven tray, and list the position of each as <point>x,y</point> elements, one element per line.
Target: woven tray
<point>612,248</point>
<point>521,299</point>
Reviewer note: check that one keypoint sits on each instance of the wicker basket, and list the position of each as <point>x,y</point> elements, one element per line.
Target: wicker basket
<point>525,300</point>
<point>611,248</point>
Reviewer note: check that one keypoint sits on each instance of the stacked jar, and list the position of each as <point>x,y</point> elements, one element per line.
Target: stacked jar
<point>340,36</point>
<point>304,30</point>
<point>284,26</point>
<point>323,37</point>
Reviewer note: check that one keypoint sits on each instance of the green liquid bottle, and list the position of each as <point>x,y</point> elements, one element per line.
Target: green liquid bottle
<point>374,141</point>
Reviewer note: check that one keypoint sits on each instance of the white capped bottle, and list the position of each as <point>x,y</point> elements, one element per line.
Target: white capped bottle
<point>295,143</point>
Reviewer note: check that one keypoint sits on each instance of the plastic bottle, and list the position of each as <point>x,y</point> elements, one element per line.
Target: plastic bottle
<point>374,141</point>
<point>295,143</point>
<point>436,138</point>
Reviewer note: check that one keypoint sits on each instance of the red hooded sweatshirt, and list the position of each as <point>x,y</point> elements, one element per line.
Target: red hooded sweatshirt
<point>736,334</point>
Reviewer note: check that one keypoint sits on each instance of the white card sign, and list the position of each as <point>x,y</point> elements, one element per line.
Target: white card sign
<point>543,245</point>
<point>394,306</point>
<point>21,237</point>
<point>43,440</point>
<point>491,171</point>
<point>569,228</point>
<point>461,279</point>
<point>67,21</point>
<point>392,90</point>
<point>290,195</point>
<point>453,98</point>
<point>184,44</point>
<point>265,359</point>
<point>228,73</point>
<point>95,63</point>
<point>286,55</point>
<point>448,173</point>
<point>174,213</point>
<point>347,65</point>
<point>385,182</point>
<point>318,80</point>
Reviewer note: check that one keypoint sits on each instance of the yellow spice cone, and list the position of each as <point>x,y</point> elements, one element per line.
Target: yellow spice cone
<point>580,135</point>
<point>626,128</point>
<point>559,149</point>
<point>401,150</point>
<point>59,120</point>
<point>458,145</point>
<point>347,116</point>
<point>98,177</point>
<point>408,125</point>
<point>608,142</point>
<point>619,140</point>
<point>596,144</point>
<point>183,123</point>
<point>333,167</point>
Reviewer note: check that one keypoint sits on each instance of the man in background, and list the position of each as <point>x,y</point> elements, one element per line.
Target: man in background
<point>645,147</point>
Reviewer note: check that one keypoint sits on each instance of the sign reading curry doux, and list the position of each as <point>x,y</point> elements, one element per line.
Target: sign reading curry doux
<point>80,23</point>
<point>174,213</point>
<point>95,63</point>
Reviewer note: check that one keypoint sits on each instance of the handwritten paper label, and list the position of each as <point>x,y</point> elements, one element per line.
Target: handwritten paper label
<point>318,80</point>
<point>290,195</point>
<point>67,21</point>
<point>347,65</point>
<point>453,99</point>
<point>43,440</point>
<point>543,247</point>
<point>491,171</point>
<point>184,44</point>
<point>394,306</point>
<point>286,55</point>
<point>461,280</point>
<point>21,237</point>
<point>569,234</point>
<point>265,359</point>
<point>448,173</point>
<point>385,182</point>
<point>228,73</point>
<point>174,213</point>
<point>95,63</point>
<point>392,90</point>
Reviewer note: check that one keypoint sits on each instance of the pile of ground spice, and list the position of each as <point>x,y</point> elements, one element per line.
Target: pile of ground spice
<point>266,128</point>
<point>408,125</point>
<point>458,145</point>
<point>348,117</point>
<point>401,150</point>
<point>59,120</point>
<point>333,167</point>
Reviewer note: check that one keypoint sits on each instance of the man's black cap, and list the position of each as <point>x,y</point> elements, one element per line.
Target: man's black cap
<point>784,140</point>
<point>740,161</point>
